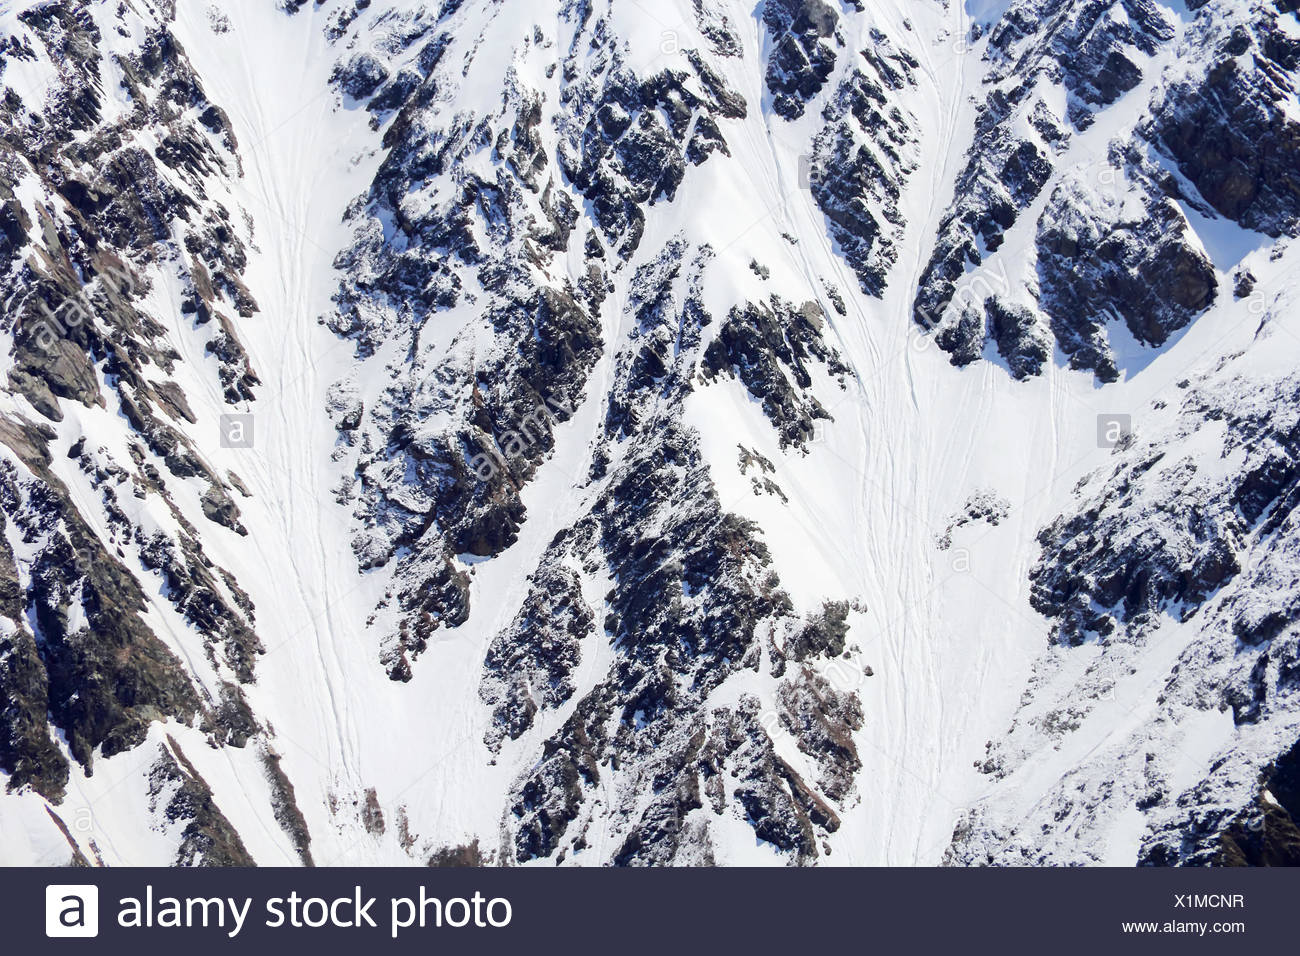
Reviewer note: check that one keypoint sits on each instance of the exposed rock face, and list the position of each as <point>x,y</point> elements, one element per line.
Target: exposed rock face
<point>804,43</point>
<point>1166,538</point>
<point>862,158</point>
<point>624,142</point>
<point>1017,335</point>
<point>687,608</point>
<point>771,349</point>
<point>106,676</point>
<point>1112,237</point>
<point>532,664</point>
<point>620,164</point>
<point>27,751</point>
<point>822,720</point>
<point>1226,123</point>
<point>109,188</point>
<point>1109,240</point>
<point>181,798</point>
<point>1095,264</point>
<point>285,807</point>
<point>1102,569</point>
<point>1264,834</point>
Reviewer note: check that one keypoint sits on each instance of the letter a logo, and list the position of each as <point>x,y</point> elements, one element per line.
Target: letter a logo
<point>71,911</point>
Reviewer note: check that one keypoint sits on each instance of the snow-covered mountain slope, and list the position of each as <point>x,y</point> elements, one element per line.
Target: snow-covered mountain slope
<point>590,432</point>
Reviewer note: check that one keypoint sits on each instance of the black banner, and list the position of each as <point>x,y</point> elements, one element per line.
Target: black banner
<point>647,911</point>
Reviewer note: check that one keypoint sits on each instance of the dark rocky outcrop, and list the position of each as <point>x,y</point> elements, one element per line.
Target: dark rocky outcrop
<point>623,142</point>
<point>108,676</point>
<point>1228,126</point>
<point>686,610</point>
<point>1268,832</point>
<point>530,665</point>
<point>634,149</point>
<point>1092,49</point>
<point>1108,566</point>
<point>182,798</point>
<point>1015,331</point>
<point>1094,265</point>
<point>802,34</point>
<point>771,348</point>
<point>284,806</point>
<point>862,158</point>
<point>28,753</point>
